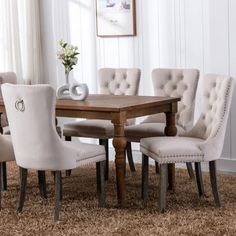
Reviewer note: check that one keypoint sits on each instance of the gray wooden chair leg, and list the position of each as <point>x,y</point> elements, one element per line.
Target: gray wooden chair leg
<point>68,138</point>
<point>100,183</point>
<point>199,180</point>
<point>163,187</point>
<point>190,170</point>
<point>58,192</point>
<point>105,143</point>
<point>3,166</point>
<point>145,174</point>
<point>157,167</point>
<point>23,184</point>
<point>212,168</point>
<point>42,184</point>
<point>130,157</point>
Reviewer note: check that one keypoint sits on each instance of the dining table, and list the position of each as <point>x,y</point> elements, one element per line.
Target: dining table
<point>117,109</point>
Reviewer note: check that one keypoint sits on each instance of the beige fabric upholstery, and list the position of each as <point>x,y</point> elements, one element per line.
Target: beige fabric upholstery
<point>35,140</point>
<point>178,83</point>
<point>6,149</point>
<point>205,141</point>
<point>144,130</point>
<point>6,77</point>
<point>90,129</point>
<point>174,83</point>
<point>114,82</point>
<point>172,149</point>
<point>119,81</point>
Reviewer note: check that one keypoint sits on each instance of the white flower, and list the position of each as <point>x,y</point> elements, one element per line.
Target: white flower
<point>68,55</point>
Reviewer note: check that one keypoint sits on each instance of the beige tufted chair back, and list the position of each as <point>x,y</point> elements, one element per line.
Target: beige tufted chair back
<point>216,103</point>
<point>119,81</point>
<point>177,83</point>
<point>6,77</point>
<point>217,94</point>
<point>211,126</point>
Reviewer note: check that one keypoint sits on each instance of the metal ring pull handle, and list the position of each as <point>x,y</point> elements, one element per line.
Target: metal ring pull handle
<point>20,105</point>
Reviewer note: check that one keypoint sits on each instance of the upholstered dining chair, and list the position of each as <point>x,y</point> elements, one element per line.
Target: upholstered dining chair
<point>203,143</point>
<point>10,77</point>
<point>31,115</point>
<point>5,77</point>
<point>6,154</point>
<point>174,83</point>
<point>111,81</point>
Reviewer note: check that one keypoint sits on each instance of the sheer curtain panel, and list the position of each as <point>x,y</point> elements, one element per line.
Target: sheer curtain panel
<point>20,43</point>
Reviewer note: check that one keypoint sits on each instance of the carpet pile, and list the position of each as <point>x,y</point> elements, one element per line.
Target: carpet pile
<point>186,214</point>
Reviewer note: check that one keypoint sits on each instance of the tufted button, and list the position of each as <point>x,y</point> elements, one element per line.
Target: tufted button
<point>161,86</point>
<point>106,84</point>
<point>186,87</point>
<point>170,77</point>
<point>113,77</point>
<point>128,86</point>
<point>118,86</point>
<point>180,77</point>
<point>125,76</point>
<point>174,87</point>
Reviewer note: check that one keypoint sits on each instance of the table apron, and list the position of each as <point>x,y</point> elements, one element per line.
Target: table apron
<point>84,114</point>
<point>133,113</point>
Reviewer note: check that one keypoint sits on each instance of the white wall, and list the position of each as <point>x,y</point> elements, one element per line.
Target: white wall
<point>170,33</point>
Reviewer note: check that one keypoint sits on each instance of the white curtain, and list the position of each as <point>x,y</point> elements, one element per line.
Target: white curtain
<point>20,45</point>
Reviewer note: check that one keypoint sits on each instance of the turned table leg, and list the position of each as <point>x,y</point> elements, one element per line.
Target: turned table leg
<point>171,130</point>
<point>119,143</point>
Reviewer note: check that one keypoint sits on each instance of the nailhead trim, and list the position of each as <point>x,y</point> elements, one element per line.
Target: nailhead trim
<point>225,109</point>
<point>163,157</point>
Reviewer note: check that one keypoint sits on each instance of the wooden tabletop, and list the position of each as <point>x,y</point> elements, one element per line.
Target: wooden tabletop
<point>114,103</point>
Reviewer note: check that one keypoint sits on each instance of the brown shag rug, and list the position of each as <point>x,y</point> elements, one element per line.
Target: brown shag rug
<point>186,214</point>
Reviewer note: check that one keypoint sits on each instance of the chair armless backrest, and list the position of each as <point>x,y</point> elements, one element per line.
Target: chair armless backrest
<point>119,81</point>
<point>177,83</point>
<point>6,77</point>
<point>31,114</point>
<point>211,126</point>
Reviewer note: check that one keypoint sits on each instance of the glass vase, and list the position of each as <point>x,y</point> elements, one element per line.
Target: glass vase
<point>67,77</point>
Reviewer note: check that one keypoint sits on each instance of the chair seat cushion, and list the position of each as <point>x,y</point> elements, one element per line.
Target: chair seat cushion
<point>172,149</point>
<point>7,152</point>
<point>4,121</point>
<point>87,153</point>
<point>135,132</point>
<point>89,129</point>
<point>6,130</point>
